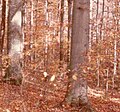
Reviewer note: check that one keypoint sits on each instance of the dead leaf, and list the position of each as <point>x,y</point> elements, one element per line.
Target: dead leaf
<point>52,78</point>
<point>74,76</point>
<point>45,74</point>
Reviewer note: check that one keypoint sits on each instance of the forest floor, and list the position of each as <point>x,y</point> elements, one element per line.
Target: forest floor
<point>40,95</point>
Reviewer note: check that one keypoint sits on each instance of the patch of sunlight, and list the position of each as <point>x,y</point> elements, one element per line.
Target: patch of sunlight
<point>95,93</point>
<point>116,100</point>
<point>17,18</point>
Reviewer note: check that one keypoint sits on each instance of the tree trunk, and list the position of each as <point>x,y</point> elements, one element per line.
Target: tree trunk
<point>69,30</point>
<point>2,32</point>
<point>14,43</point>
<point>102,20</point>
<point>116,22</point>
<point>61,31</point>
<point>2,26</point>
<point>77,88</point>
<point>46,37</point>
<point>97,12</point>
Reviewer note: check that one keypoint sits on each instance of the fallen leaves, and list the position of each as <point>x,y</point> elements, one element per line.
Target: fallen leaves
<point>52,78</point>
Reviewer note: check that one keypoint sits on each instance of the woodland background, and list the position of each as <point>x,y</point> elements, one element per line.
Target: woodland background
<point>47,27</point>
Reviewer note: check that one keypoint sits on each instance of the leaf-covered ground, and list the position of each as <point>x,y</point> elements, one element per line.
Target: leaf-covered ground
<point>37,94</point>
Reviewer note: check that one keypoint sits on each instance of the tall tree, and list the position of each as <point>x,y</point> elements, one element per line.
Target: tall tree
<point>14,42</point>
<point>102,20</point>
<point>2,31</point>
<point>77,88</point>
<point>116,23</point>
<point>46,37</point>
<point>61,29</point>
<point>97,11</point>
<point>2,26</point>
<point>69,29</point>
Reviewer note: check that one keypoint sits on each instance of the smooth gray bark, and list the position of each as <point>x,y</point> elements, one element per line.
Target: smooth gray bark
<point>77,88</point>
<point>14,43</point>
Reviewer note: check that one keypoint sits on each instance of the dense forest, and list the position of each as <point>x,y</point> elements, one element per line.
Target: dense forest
<point>59,55</point>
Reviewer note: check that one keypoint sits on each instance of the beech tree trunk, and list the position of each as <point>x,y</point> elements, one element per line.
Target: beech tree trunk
<point>77,88</point>
<point>14,43</point>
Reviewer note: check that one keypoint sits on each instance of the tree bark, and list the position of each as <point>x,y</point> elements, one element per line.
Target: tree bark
<point>97,11</point>
<point>2,32</point>
<point>61,31</point>
<point>70,2</point>
<point>2,26</point>
<point>14,43</point>
<point>116,22</point>
<point>77,87</point>
<point>102,20</point>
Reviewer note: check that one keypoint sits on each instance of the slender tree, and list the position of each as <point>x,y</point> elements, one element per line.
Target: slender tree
<point>116,23</point>
<point>101,25</point>
<point>46,37</point>
<point>97,11</point>
<point>2,26</point>
<point>61,29</point>
<point>69,29</point>
<point>2,31</point>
